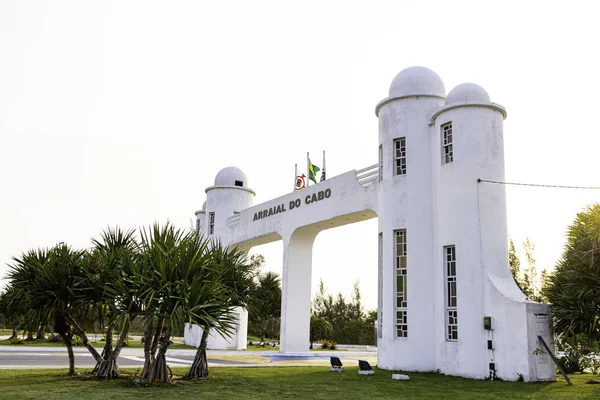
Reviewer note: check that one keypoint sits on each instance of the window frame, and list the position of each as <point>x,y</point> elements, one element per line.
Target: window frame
<point>447,131</point>
<point>401,270</point>
<point>450,294</point>
<point>211,223</point>
<point>400,160</point>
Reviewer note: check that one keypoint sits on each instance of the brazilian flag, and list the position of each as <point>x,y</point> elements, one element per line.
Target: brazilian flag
<point>312,171</point>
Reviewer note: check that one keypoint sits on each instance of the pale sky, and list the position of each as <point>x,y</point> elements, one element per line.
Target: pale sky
<point>122,112</point>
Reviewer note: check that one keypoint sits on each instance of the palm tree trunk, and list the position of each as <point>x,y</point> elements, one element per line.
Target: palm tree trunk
<point>40,332</point>
<point>103,368</point>
<point>29,335</point>
<point>108,368</point>
<point>148,356</point>
<point>79,332</point>
<point>159,371</point>
<point>67,340</point>
<point>199,367</point>
<point>14,332</point>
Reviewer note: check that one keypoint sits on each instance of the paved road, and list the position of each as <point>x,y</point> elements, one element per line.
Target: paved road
<point>54,357</point>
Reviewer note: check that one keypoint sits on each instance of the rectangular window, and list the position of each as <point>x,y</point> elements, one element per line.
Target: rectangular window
<point>447,152</point>
<point>401,281</point>
<point>400,156</point>
<point>211,223</point>
<point>380,287</point>
<point>451,298</point>
<point>380,162</point>
<point>198,225</point>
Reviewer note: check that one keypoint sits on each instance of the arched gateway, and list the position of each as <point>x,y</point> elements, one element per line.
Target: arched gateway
<point>447,300</point>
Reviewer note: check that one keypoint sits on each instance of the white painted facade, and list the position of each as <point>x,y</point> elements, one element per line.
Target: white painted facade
<point>439,206</point>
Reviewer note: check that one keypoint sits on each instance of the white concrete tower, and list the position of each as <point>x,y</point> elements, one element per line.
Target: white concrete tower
<point>226,199</point>
<point>405,201</point>
<point>471,249</point>
<point>467,144</point>
<point>200,219</point>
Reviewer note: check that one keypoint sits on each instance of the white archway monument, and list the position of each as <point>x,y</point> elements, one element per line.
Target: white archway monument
<point>447,299</point>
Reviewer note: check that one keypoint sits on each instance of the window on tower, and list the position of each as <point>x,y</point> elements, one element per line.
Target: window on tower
<point>447,151</point>
<point>451,296</point>
<point>400,156</point>
<point>380,162</point>
<point>211,223</point>
<point>239,183</point>
<point>401,281</point>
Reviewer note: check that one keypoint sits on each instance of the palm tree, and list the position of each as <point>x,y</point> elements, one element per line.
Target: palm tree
<point>221,286</point>
<point>320,328</point>
<point>164,274</point>
<point>112,291</point>
<point>573,288</point>
<point>47,281</point>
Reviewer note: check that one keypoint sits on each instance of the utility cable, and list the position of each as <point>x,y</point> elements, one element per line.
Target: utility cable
<point>539,185</point>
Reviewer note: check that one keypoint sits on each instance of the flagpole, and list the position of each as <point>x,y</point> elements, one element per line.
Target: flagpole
<point>295,175</point>
<point>323,173</point>
<point>307,170</point>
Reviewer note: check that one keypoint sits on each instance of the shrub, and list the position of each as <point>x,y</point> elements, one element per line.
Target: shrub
<point>573,360</point>
<point>77,341</point>
<point>16,340</point>
<point>52,338</point>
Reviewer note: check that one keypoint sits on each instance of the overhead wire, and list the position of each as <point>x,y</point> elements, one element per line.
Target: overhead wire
<point>540,185</point>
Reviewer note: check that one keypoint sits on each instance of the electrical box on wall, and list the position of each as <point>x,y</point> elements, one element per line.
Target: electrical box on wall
<point>487,323</point>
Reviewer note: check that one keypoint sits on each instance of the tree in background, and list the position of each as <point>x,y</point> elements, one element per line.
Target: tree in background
<point>527,279</point>
<point>349,322</point>
<point>265,304</point>
<point>573,287</point>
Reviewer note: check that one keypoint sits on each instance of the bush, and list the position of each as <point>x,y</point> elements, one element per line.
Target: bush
<point>16,340</point>
<point>77,341</point>
<point>52,338</point>
<point>593,363</point>
<point>329,344</point>
<point>573,360</point>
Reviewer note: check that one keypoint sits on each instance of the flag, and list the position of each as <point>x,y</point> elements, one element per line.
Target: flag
<point>300,182</point>
<point>323,171</point>
<point>312,171</point>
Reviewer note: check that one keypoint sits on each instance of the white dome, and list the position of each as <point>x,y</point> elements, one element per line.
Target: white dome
<point>417,81</point>
<point>468,93</point>
<point>231,176</point>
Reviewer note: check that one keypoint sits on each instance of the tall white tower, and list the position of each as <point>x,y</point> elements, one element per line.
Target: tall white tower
<point>405,201</point>
<point>448,301</point>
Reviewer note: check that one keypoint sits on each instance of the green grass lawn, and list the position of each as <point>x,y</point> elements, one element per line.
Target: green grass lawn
<point>287,382</point>
<point>135,344</point>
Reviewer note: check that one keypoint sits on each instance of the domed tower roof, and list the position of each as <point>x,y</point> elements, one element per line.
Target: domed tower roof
<point>413,82</point>
<point>417,81</point>
<point>467,93</point>
<point>231,176</point>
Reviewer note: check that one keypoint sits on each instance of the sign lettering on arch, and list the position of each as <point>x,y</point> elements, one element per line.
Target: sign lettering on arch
<point>297,203</point>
